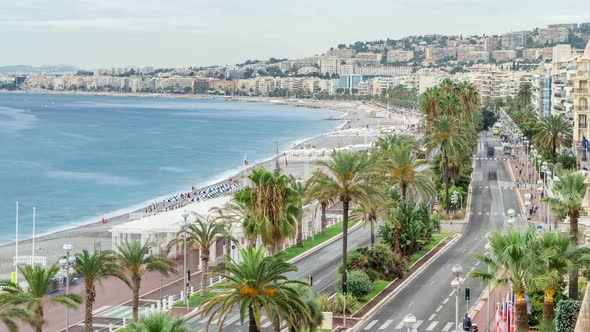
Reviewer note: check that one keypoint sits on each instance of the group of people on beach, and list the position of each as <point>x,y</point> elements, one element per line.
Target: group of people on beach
<point>220,189</point>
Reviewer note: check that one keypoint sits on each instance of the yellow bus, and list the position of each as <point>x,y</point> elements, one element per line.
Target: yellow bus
<point>421,156</point>
<point>496,129</point>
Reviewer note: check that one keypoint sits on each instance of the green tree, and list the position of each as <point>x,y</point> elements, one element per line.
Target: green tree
<point>11,307</point>
<point>254,284</point>
<point>301,188</point>
<point>93,268</point>
<point>202,234</point>
<point>368,211</point>
<point>525,93</point>
<point>134,260</point>
<point>569,192</point>
<point>448,138</point>
<point>157,322</point>
<point>403,174</point>
<point>347,183</point>
<point>555,132</point>
<point>323,198</point>
<point>309,296</point>
<point>39,281</point>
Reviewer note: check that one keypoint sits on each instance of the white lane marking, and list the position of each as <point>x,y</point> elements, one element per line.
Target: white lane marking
<point>446,300</point>
<point>438,309</point>
<point>431,316</point>
<point>399,326</point>
<point>479,213</point>
<point>447,327</point>
<point>411,303</point>
<point>204,320</point>
<point>267,324</point>
<point>432,325</point>
<point>418,323</point>
<point>368,327</point>
<point>477,263</point>
<point>430,283</point>
<point>451,294</point>
<point>386,324</point>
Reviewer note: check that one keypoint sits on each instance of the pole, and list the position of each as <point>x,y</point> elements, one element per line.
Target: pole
<point>33,244</point>
<point>16,247</point>
<point>457,310</point>
<point>67,290</point>
<point>184,270</point>
<point>344,313</point>
<point>489,300</point>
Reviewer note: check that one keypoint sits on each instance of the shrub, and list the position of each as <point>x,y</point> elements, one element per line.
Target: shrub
<point>357,261</point>
<point>324,302</point>
<point>352,304</point>
<point>566,315</point>
<point>373,275</point>
<point>358,283</point>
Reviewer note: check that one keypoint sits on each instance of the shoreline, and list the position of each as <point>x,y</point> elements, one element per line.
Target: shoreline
<point>87,233</point>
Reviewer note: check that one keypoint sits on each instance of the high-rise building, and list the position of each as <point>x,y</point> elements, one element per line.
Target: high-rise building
<point>399,55</point>
<point>514,40</point>
<point>581,97</point>
<point>553,35</point>
<point>329,65</point>
<point>491,44</point>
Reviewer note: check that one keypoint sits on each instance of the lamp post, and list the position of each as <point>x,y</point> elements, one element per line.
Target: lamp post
<point>539,158</point>
<point>185,227</point>
<point>456,284</point>
<point>409,322</point>
<point>488,249</point>
<point>65,263</point>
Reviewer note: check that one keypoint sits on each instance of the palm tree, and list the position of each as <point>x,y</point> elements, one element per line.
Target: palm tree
<point>348,183</point>
<point>525,93</point>
<point>369,211</point>
<point>202,234</point>
<point>449,139</point>
<point>231,214</point>
<point>429,102</point>
<point>254,284</point>
<point>555,132</point>
<point>513,261</point>
<point>158,322</point>
<point>324,201</point>
<point>388,142</point>
<point>134,260</point>
<point>273,206</point>
<point>39,281</point>
<point>569,193</point>
<point>11,309</point>
<point>402,173</point>
<point>300,188</point>
<point>309,296</point>
<point>93,268</point>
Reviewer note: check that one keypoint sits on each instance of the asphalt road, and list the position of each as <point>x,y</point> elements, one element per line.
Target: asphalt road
<point>322,265</point>
<point>429,296</point>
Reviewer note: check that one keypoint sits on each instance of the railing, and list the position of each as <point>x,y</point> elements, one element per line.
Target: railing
<point>582,108</point>
<point>583,91</point>
<point>583,125</point>
<point>29,260</point>
<point>558,107</point>
<point>584,73</point>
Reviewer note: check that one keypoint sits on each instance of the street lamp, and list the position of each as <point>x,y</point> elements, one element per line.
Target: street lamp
<point>456,284</point>
<point>65,263</point>
<point>488,249</point>
<point>185,216</point>
<point>409,321</point>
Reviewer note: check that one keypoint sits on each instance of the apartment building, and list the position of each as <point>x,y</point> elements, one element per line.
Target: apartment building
<point>399,55</point>
<point>514,40</point>
<point>341,53</point>
<point>329,65</point>
<point>531,54</point>
<point>491,44</point>
<point>367,58</point>
<point>581,97</point>
<point>504,55</point>
<point>553,35</point>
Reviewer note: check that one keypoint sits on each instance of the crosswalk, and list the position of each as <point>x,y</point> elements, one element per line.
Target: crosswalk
<point>430,325</point>
<point>496,158</point>
<point>504,187</point>
<point>232,320</point>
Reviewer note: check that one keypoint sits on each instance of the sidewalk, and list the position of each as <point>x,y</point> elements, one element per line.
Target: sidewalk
<point>478,312</point>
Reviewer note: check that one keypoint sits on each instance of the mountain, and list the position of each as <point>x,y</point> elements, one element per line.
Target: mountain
<point>40,69</point>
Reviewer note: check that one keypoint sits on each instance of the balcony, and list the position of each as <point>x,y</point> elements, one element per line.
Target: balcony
<point>583,125</point>
<point>582,108</point>
<point>558,107</point>
<point>582,91</point>
<point>583,75</point>
<point>559,94</point>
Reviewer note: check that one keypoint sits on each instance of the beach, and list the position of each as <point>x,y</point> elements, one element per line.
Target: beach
<point>360,129</point>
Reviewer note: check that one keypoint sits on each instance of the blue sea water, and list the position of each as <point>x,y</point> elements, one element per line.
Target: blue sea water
<point>77,158</point>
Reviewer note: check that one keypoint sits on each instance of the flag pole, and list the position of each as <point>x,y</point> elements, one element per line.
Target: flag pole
<point>16,248</point>
<point>33,244</point>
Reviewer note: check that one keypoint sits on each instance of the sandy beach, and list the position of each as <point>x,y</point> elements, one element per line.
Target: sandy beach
<point>361,128</point>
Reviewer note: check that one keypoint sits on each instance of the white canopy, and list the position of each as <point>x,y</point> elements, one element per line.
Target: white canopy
<point>170,221</point>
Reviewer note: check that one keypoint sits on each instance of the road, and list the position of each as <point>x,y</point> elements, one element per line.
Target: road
<point>321,265</point>
<point>429,296</point>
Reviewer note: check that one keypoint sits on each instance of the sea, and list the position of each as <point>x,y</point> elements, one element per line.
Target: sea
<point>78,158</point>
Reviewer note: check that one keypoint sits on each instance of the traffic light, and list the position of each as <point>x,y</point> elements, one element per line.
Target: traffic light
<point>467,298</point>
<point>188,275</point>
<point>344,288</point>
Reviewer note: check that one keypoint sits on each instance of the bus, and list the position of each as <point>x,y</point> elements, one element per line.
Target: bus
<point>508,149</point>
<point>421,156</point>
<point>496,129</point>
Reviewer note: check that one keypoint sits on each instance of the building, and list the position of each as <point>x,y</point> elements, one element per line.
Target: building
<point>514,40</point>
<point>504,55</point>
<point>561,52</point>
<point>531,54</point>
<point>367,58</point>
<point>399,55</point>
<point>349,82</point>
<point>341,53</point>
<point>491,44</point>
<point>382,70</point>
<point>570,26</point>
<point>581,97</point>
<point>234,73</point>
<point>472,53</point>
<point>553,35</point>
<point>329,65</point>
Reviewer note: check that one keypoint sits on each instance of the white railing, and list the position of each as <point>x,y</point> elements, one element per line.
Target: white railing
<point>30,260</point>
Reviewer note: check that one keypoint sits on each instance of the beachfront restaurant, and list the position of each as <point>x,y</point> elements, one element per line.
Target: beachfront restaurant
<point>161,228</point>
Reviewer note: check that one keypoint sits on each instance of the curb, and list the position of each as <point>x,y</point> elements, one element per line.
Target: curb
<point>414,275</point>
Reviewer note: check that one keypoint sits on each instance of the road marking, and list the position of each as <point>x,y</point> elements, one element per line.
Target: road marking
<point>267,324</point>
<point>400,325</point>
<point>487,213</point>
<point>477,263</point>
<point>451,294</point>
<point>479,213</point>
<point>368,327</point>
<point>447,327</point>
<point>486,187</point>
<point>386,324</point>
<point>432,325</point>
<point>446,300</point>
<point>418,323</point>
<point>411,303</point>
<point>431,316</point>
<point>204,320</point>
<point>430,283</point>
<point>438,309</point>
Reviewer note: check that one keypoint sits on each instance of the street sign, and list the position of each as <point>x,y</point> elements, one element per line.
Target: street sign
<point>233,246</point>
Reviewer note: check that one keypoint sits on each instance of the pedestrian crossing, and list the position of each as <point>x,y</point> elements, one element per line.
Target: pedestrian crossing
<point>430,325</point>
<point>496,158</point>
<point>504,187</point>
<point>231,320</point>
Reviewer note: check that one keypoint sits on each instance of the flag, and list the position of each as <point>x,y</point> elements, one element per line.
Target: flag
<point>529,305</point>
<point>498,317</point>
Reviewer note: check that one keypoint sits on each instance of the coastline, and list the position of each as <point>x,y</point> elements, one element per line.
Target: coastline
<point>93,235</point>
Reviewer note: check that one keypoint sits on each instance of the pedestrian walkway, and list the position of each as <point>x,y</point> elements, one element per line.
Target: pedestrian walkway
<point>421,325</point>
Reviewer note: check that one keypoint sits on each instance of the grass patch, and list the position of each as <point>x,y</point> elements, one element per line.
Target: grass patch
<point>294,251</point>
<point>195,300</point>
<point>378,285</point>
<point>436,239</point>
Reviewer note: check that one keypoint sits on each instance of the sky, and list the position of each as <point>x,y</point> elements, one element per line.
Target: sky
<point>177,33</point>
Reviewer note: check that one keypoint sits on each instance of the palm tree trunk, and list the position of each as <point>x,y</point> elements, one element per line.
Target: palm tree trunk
<point>446,176</point>
<point>404,192</point>
<point>324,207</point>
<point>345,205</point>
<point>228,247</point>
<point>205,271</point>
<point>135,304</point>
<point>573,286</point>
<point>40,318</point>
<point>253,327</point>
<point>299,240</point>
<point>372,222</point>
<point>89,303</point>
<point>522,319</point>
<point>548,311</point>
